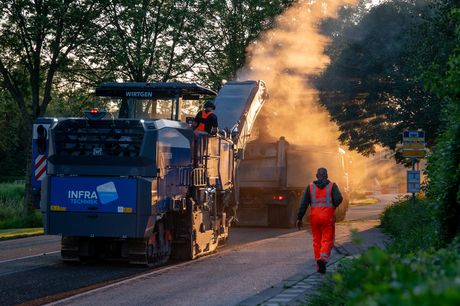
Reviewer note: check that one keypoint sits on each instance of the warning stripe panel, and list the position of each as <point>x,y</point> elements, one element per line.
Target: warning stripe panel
<point>39,160</point>
<point>40,167</point>
<point>40,175</point>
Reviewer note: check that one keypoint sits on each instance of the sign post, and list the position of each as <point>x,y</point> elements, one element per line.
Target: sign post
<point>413,147</point>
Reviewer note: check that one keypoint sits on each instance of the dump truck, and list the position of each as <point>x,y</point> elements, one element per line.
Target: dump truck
<point>273,177</point>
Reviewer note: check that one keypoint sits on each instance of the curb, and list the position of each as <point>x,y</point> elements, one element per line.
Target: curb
<point>380,192</point>
<point>401,192</point>
<point>296,289</point>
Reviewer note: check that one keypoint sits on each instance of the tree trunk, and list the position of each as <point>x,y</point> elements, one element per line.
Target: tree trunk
<point>28,199</point>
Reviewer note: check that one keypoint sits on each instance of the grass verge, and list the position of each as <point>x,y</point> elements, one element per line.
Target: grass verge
<point>11,208</point>
<point>14,219</point>
<point>416,269</point>
<point>356,221</point>
<point>362,202</point>
<point>7,234</point>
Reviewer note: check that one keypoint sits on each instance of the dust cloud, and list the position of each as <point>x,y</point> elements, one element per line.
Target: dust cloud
<point>285,58</point>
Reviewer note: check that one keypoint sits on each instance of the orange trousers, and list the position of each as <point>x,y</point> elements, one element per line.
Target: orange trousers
<point>323,230</point>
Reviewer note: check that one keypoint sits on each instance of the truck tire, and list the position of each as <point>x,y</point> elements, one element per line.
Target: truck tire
<point>288,213</point>
<point>341,211</point>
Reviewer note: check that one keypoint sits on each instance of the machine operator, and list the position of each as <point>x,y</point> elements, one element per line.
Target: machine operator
<point>206,120</point>
<point>324,197</point>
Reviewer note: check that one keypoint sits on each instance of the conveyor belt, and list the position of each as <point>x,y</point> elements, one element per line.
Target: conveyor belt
<point>237,107</point>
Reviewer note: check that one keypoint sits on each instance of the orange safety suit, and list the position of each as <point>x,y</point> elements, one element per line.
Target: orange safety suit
<point>322,221</point>
<point>200,126</point>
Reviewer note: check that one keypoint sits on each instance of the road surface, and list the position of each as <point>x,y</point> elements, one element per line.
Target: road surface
<point>255,259</point>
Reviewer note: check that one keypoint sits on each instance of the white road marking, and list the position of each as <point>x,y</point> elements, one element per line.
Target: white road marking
<point>130,280</point>
<point>9,260</point>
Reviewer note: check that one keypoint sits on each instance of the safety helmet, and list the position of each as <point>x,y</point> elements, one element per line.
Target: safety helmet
<point>210,104</point>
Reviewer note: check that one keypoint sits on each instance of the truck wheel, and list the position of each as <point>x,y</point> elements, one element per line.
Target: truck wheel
<point>288,213</point>
<point>341,211</point>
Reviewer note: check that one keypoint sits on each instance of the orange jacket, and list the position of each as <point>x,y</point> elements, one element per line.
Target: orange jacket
<point>321,200</point>
<point>204,115</point>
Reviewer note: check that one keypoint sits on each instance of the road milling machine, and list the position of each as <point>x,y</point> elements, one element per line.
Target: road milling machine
<point>133,180</point>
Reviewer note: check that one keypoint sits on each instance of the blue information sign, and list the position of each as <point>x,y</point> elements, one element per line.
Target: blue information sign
<point>414,144</point>
<point>414,134</point>
<point>413,181</point>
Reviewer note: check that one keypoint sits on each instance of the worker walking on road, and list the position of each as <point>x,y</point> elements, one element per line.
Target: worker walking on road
<point>324,197</point>
<point>206,120</point>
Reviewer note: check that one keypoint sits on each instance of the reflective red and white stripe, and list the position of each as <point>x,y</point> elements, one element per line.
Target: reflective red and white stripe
<point>40,167</point>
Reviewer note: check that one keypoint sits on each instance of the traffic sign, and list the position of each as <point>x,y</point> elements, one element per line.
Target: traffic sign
<point>414,144</point>
<point>413,181</point>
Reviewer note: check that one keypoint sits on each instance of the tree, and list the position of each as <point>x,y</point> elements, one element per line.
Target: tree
<point>14,139</point>
<point>236,24</point>
<point>433,37</point>
<point>160,41</point>
<point>371,88</point>
<point>443,168</point>
<point>151,40</point>
<point>37,40</point>
<point>53,51</point>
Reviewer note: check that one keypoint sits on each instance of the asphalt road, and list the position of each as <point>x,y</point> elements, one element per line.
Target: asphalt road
<point>226,278</point>
<point>369,212</point>
<point>32,246</point>
<point>34,263</point>
<point>255,259</point>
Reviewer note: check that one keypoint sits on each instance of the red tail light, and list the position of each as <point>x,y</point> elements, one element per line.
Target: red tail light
<point>279,198</point>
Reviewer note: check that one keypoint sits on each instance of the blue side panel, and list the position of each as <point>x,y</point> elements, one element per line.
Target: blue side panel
<point>163,206</point>
<point>93,194</point>
<point>173,187</point>
<point>173,148</point>
<point>175,156</point>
